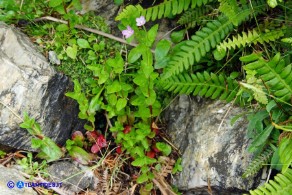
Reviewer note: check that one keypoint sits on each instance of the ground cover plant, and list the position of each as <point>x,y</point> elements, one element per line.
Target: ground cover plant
<point>236,51</point>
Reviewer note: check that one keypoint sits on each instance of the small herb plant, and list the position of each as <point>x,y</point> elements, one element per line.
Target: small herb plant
<point>33,168</point>
<point>125,90</point>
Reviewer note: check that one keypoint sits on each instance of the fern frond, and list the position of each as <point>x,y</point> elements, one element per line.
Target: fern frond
<point>281,185</point>
<point>170,8</point>
<point>258,163</point>
<point>203,41</point>
<point>251,37</point>
<point>275,74</point>
<point>130,11</point>
<point>192,16</point>
<point>287,40</point>
<point>230,9</point>
<point>196,48</point>
<point>202,84</point>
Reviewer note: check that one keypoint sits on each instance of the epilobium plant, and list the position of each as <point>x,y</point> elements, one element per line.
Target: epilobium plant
<point>126,92</point>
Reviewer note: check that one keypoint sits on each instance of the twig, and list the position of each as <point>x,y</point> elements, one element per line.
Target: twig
<point>164,189</point>
<point>50,18</point>
<point>11,110</point>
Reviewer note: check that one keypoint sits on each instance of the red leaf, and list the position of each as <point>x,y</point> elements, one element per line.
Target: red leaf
<point>127,129</point>
<point>95,148</point>
<point>119,149</point>
<point>150,154</point>
<point>92,136</point>
<point>101,141</point>
<point>155,149</point>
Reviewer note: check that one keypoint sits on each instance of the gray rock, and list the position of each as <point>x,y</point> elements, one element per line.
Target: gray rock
<point>29,84</point>
<point>106,9</point>
<point>9,177</point>
<point>74,177</point>
<point>213,151</point>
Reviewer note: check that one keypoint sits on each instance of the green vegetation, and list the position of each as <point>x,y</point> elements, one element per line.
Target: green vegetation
<point>237,51</point>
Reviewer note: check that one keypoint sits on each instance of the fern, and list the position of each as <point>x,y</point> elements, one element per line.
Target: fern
<point>202,42</point>
<point>172,7</point>
<point>287,40</point>
<point>230,9</point>
<point>203,84</point>
<point>191,17</point>
<point>196,48</point>
<point>250,37</point>
<point>281,185</point>
<point>258,163</point>
<point>275,74</point>
<point>130,11</point>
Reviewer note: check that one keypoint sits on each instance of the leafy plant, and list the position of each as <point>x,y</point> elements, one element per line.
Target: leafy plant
<point>48,148</point>
<point>33,168</point>
<point>282,184</point>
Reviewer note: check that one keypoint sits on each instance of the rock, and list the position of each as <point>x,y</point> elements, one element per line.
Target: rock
<point>74,177</point>
<point>213,151</point>
<point>29,84</point>
<point>106,9</point>
<point>9,177</point>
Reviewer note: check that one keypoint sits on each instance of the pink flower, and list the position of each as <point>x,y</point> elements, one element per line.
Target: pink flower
<point>128,32</point>
<point>140,21</point>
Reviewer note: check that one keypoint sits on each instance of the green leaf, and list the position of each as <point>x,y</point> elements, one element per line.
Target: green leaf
<point>285,153</point>
<point>162,63</point>
<point>138,150</point>
<point>83,43</point>
<point>114,87</point>
<point>55,3</point>
<point>49,150</point>
<point>118,2</point>
<point>151,35</point>
<point>62,27</point>
<point>112,99</point>
<point>261,138</point>
<point>72,51</point>
<point>141,161</point>
<point>177,36</point>
<point>80,155</point>
<point>140,80</point>
<point>162,49</point>
<point>122,102</point>
<point>88,127</point>
<point>272,3</point>
<point>94,104</point>
<point>117,63</point>
<point>142,178</point>
<point>219,54</point>
<point>36,143</point>
<point>271,105</point>
<point>134,54</point>
<point>164,148</point>
<point>103,77</point>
